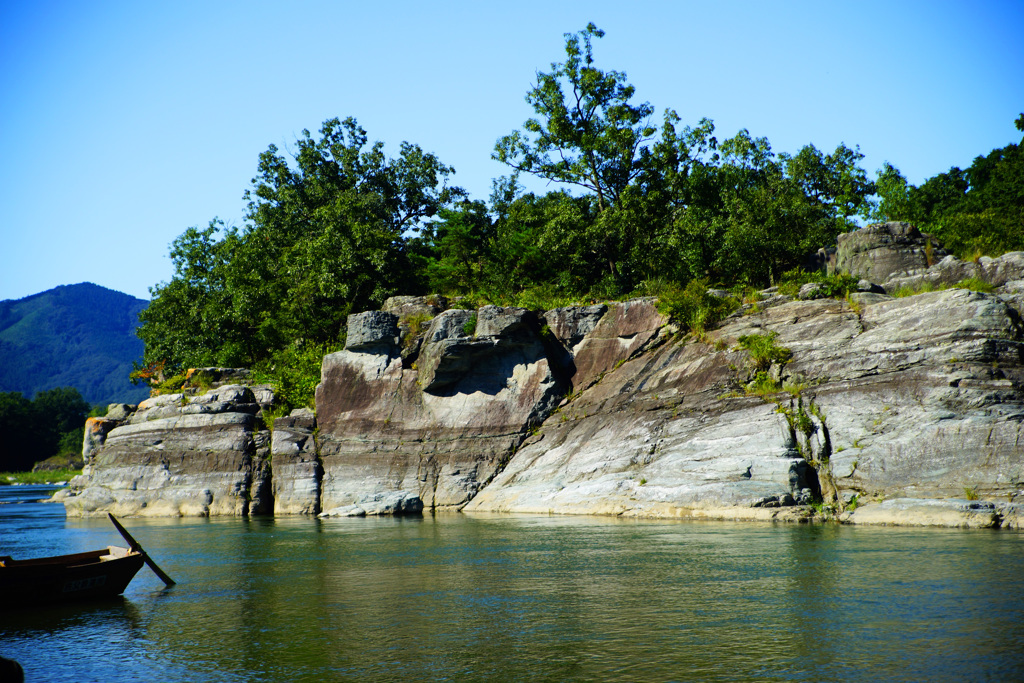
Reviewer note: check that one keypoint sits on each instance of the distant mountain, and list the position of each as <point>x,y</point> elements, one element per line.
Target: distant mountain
<point>81,336</point>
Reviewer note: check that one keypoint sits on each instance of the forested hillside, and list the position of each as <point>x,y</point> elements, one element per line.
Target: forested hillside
<point>80,336</point>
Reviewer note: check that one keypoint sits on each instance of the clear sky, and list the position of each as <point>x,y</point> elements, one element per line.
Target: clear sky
<point>124,123</point>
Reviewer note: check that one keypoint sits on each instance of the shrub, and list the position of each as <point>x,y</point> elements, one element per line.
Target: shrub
<point>975,285</point>
<point>907,290</point>
<point>793,280</point>
<point>838,286</point>
<point>544,297</point>
<point>294,373</point>
<point>170,385</point>
<point>831,286</point>
<point>469,327</point>
<point>762,385</point>
<point>417,325</point>
<point>693,308</point>
<point>764,351</point>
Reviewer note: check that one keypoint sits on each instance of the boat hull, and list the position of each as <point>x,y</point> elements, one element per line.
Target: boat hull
<point>67,578</point>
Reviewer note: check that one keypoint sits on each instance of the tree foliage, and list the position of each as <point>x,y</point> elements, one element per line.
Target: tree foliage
<point>50,424</point>
<point>973,211</point>
<point>325,235</point>
<point>338,227</point>
<point>587,133</point>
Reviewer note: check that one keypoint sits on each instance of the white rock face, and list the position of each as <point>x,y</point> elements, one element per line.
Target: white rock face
<point>921,398</point>
<point>180,456</point>
<point>441,430</point>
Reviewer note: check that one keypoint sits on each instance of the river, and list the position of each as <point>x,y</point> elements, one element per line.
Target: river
<point>524,598</point>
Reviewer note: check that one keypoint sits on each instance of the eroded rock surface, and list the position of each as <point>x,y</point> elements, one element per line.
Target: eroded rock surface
<point>883,250</point>
<point>921,397</point>
<point>898,410</point>
<point>441,430</point>
<point>444,426</point>
<point>178,455</point>
<point>896,256</point>
<point>298,472</point>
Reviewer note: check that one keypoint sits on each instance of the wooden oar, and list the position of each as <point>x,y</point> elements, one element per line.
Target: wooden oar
<point>138,548</point>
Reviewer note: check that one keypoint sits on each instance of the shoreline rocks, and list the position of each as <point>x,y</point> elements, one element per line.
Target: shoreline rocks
<point>892,410</point>
<point>177,455</point>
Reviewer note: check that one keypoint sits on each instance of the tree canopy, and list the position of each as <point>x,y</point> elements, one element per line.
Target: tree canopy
<point>337,226</point>
<point>50,424</point>
<point>324,236</point>
<point>975,211</point>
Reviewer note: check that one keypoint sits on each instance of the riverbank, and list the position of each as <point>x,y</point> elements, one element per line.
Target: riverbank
<point>57,477</point>
<point>872,408</point>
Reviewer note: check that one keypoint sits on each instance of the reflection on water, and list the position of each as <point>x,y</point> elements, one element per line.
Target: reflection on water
<point>528,598</point>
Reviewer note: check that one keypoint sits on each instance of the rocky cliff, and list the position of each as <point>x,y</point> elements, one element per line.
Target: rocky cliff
<point>176,454</point>
<point>874,408</point>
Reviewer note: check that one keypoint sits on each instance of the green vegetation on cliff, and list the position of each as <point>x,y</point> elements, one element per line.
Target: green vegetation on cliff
<point>643,207</point>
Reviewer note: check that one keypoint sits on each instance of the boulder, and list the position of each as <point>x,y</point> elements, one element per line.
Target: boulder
<point>882,251</point>
<point>414,315</point>
<point>179,455</point>
<point>371,330</point>
<point>405,307</point>
<point>572,324</point>
<point>120,411</point>
<point>388,503</point>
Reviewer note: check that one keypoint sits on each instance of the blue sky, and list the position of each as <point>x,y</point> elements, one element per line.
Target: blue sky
<point>124,123</point>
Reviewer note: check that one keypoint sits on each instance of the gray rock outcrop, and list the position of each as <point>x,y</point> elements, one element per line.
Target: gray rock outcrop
<point>178,455</point>
<point>893,410</point>
<point>896,256</point>
<point>880,251</point>
<point>443,428</point>
<point>919,397</point>
<point>298,472</point>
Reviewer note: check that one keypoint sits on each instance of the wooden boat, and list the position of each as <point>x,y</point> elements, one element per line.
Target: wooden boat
<point>64,578</point>
<point>81,576</point>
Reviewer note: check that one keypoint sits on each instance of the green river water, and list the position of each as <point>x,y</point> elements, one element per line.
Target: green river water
<point>524,598</point>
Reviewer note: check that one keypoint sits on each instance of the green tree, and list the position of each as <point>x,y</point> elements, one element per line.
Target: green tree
<point>975,211</point>
<point>60,417</point>
<point>453,250</point>
<point>893,193</point>
<point>832,180</point>
<point>35,430</point>
<point>587,133</point>
<point>543,240</point>
<point>190,321</point>
<point>325,235</point>
<point>19,448</point>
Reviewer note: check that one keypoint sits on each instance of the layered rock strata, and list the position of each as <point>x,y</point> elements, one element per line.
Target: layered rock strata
<point>889,410</point>
<point>442,421</point>
<point>298,472</point>
<point>177,455</point>
<point>918,397</point>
